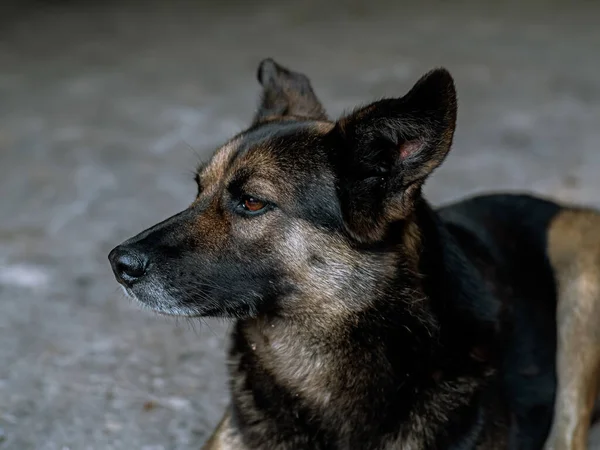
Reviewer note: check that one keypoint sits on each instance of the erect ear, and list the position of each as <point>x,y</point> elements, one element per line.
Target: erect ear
<point>388,148</point>
<point>286,93</point>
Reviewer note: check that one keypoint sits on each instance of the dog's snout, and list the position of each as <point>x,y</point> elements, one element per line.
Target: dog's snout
<point>128,264</point>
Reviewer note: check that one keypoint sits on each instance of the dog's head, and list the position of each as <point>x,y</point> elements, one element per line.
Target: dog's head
<point>298,212</point>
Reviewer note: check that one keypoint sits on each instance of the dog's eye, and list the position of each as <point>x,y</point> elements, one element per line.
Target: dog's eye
<point>252,204</point>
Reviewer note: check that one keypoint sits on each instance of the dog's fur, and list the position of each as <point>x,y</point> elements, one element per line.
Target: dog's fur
<point>365,319</point>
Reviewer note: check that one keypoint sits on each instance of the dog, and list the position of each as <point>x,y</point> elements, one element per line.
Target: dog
<point>364,317</point>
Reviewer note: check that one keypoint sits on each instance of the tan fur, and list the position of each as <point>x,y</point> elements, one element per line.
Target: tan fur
<point>215,226</point>
<point>323,265</point>
<point>289,355</point>
<point>223,438</point>
<point>285,345</point>
<point>412,243</point>
<point>214,172</point>
<point>422,433</point>
<point>574,252</point>
<point>323,127</point>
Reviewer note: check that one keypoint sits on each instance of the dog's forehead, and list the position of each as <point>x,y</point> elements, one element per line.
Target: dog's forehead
<point>264,147</point>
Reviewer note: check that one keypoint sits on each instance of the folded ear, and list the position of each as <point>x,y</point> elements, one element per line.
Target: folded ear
<point>286,93</point>
<point>387,150</point>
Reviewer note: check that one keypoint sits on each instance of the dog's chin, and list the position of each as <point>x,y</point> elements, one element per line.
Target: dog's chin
<point>154,297</point>
<point>159,301</point>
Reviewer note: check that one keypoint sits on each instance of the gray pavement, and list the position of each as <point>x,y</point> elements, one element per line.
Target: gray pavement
<point>106,107</point>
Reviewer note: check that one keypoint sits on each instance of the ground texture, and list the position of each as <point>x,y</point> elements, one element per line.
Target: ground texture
<point>106,107</point>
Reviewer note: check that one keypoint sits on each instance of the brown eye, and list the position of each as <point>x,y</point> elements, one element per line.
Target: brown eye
<point>253,205</point>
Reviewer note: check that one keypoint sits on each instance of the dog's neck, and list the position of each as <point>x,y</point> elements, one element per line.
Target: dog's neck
<point>390,357</point>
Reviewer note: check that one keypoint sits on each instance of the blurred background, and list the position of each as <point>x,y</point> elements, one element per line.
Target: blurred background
<point>106,108</point>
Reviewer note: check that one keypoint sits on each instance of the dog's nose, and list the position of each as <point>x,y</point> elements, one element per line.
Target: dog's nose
<point>128,264</point>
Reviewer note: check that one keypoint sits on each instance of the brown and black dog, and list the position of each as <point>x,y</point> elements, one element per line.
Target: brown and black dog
<point>366,319</point>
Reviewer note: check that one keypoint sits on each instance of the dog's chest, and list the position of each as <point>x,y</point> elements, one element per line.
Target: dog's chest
<point>300,366</point>
<point>294,396</point>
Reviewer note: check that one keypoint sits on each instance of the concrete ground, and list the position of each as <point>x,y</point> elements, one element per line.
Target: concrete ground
<point>106,107</point>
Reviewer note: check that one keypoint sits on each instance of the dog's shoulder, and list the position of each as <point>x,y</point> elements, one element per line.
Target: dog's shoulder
<point>507,237</point>
<point>508,231</point>
<point>502,220</point>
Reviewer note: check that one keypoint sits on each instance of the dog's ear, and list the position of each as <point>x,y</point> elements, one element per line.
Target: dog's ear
<point>388,148</point>
<point>286,93</point>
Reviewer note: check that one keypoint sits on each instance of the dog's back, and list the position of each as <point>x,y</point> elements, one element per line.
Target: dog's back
<point>505,237</point>
<point>529,250</point>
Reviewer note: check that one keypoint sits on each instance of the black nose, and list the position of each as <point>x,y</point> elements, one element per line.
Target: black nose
<point>128,264</point>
